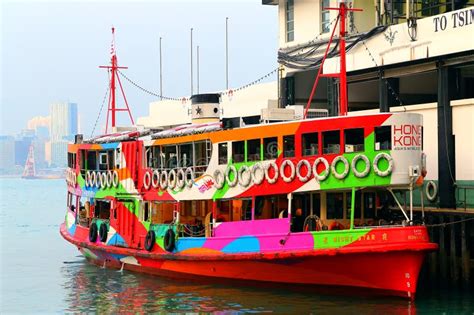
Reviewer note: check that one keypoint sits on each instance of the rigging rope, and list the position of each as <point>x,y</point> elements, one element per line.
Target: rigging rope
<point>100,111</point>
<point>187,99</point>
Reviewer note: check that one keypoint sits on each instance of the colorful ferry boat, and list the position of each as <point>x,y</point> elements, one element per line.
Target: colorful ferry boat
<point>296,202</point>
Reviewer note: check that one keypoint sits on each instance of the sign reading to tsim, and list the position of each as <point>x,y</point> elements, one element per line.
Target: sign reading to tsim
<point>407,137</point>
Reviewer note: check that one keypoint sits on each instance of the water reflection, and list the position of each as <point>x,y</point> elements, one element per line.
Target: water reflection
<point>89,288</point>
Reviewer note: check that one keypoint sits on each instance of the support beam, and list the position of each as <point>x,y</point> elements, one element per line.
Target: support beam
<point>446,159</point>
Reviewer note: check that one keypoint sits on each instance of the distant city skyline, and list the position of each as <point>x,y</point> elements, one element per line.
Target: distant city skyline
<point>50,53</point>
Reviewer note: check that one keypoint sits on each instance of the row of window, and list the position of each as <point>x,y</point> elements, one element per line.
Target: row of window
<point>98,160</point>
<point>313,143</point>
<point>182,155</point>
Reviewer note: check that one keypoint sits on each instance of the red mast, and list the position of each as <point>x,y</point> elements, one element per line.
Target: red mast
<point>112,108</point>
<point>341,18</point>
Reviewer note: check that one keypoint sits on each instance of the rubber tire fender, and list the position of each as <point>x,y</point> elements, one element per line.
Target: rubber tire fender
<point>103,232</point>
<point>169,240</point>
<point>150,240</point>
<point>93,233</point>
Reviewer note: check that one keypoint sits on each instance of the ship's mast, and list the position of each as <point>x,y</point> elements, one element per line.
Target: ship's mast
<point>341,20</point>
<point>113,69</point>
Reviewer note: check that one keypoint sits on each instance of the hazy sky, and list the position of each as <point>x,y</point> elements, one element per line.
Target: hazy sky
<point>51,51</point>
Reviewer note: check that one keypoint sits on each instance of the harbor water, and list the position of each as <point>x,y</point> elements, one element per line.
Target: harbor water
<point>42,273</point>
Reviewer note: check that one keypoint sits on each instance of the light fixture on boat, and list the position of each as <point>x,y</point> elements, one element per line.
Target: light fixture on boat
<point>205,108</point>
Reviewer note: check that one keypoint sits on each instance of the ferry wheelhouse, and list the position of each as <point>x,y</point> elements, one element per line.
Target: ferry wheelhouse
<point>296,202</point>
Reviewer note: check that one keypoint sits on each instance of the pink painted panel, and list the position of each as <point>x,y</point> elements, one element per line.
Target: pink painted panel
<point>256,227</point>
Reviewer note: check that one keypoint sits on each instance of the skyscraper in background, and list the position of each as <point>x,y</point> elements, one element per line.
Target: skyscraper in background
<point>7,154</point>
<point>64,122</point>
<point>64,125</point>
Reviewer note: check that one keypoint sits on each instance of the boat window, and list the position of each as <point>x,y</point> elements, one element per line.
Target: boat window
<point>271,207</point>
<point>153,157</point>
<point>238,151</point>
<point>270,148</point>
<point>234,210</point>
<point>202,155</point>
<point>253,150</point>
<point>310,143</point>
<point>145,215</point>
<point>331,142</point>
<point>170,155</point>
<point>289,146</point>
<point>383,134</point>
<point>357,205</point>
<point>222,153</point>
<point>91,160</point>
<point>369,205</point>
<point>334,205</point>
<point>82,161</point>
<point>161,212</point>
<point>185,155</point>
<point>111,155</point>
<point>102,209</point>
<point>71,160</point>
<point>316,205</point>
<point>103,161</point>
<point>354,140</point>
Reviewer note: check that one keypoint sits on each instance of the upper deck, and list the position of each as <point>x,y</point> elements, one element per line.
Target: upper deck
<point>208,163</point>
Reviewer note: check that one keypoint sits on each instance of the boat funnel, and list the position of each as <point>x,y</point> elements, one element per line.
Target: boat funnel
<point>205,108</point>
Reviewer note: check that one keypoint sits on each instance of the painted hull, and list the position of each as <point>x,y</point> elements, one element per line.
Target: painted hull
<point>391,269</point>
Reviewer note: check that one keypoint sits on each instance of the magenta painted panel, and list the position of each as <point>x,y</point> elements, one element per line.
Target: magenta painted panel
<point>256,227</point>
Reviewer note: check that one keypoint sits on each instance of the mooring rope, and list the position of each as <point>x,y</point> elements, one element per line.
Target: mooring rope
<point>448,223</point>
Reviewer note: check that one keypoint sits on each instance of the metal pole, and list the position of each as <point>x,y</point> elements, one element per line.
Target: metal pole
<point>227,53</point>
<point>198,69</point>
<point>191,61</point>
<point>352,207</point>
<point>161,73</point>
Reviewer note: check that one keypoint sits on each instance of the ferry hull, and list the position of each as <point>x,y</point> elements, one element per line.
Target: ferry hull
<point>390,271</point>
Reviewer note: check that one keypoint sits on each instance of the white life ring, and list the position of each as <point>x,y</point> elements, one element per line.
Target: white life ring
<point>115,179</point>
<point>172,179</point>
<point>98,179</point>
<point>366,170</point>
<point>389,169</point>
<point>244,180</point>
<point>219,179</point>
<point>93,179</point>
<point>189,181</point>
<point>147,180</point>
<point>342,159</point>
<point>283,165</point>
<point>321,177</point>
<point>231,169</point>
<point>180,179</point>
<point>271,180</point>
<point>302,178</point>
<point>110,179</point>
<point>155,179</point>
<point>103,180</point>
<point>257,179</point>
<point>88,179</point>
<point>431,196</point>
<point>163,180</point>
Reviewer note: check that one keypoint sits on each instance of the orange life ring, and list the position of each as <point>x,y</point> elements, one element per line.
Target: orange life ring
<point>336,226</point>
